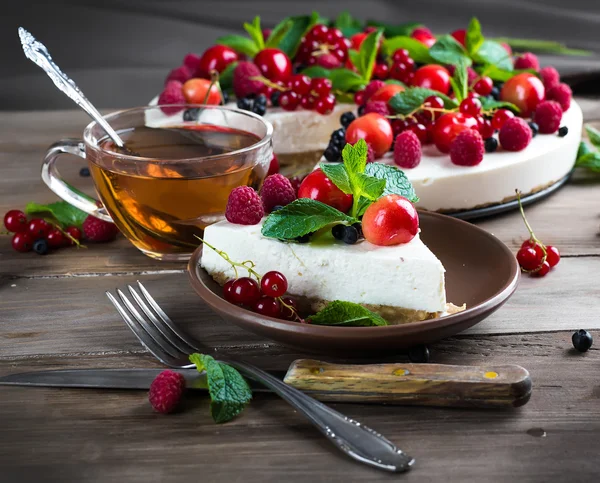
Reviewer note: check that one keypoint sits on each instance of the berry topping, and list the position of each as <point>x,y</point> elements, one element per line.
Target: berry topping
<point>273,166</point>
<point>39,228</point>
<point>562,94</point>
<point>484,86</point>
<point>196,91</point>
<point>563,131</point>
<point>300,84</point>
<point>467,148</point>
<point>289,308</point>
<point>372,88</point>
<point>171,94</point>
<point>277,190</point>
<point>423,35</point>
<point>550,77</point>
<point>216,58</point>
<point>325,105</point>
<point>432,76</point>
<point>345,233</point>
<point>525,91</point>
<point>547,116</point>
<point>22,242</point>
<point>289,100</point>
<point>180,74</point>
<point>500,117</point>
<point>245,291</point>
<point>386,92</point>
<point>459,36</point>
<point>274,64</point>
<point>321,86</point>
<point>347,118</point>
<point>244,82</point>
<point>381,71</point>
<point>447,127</point>
<point>244,206</point>
<point>40,247</point>
<point>97,230</point>
<point>15,221</point>
<point>535,129</point>
<point>515,135</point>
<point>490,144</point>
<point>527,60</point>
<point>391,220</point>
<point>192,62</point>
<point>267,306</point>
<point>374,129</point>
<point>407,150</point>
<point>582,340</point>
<point>378,107</point>
<point>470,105</point>
<point>317,186</point>
<point>166,391</point>
<point>359,98</point>
<point>274,284</point>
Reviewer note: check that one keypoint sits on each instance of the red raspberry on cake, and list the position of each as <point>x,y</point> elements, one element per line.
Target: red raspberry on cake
<point>407,150</point>
<point>515,134</point>
<point>547,116</point>
<point>166,391</point>
<point>172,94</point>
<point>527,60</point>
<point>550,77</point>
<point>379,107</point>
<point>97,230</point>
<point>181,74</point>
<point>562,94</point>
<point>372,88</point>
<point>467,148</point>
<point>243,84</point>
<point>244,206</point>
<point>277,190</point>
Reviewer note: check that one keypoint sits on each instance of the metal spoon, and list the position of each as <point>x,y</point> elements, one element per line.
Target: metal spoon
<point>38,53</point>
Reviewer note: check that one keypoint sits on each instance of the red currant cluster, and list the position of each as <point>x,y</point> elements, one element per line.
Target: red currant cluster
<point>403,66</point>
<point>323,46</point>
<point>311,94</point>
<point>37,234</point>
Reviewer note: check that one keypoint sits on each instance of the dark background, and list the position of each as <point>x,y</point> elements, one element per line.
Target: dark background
<point>119,51</point>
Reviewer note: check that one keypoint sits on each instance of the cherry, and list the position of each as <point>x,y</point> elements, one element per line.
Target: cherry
<point>470,105</point>
<point>274,284</point>
<point>484,86</point>
<point>500,117</point>
<point>267,306</point>
<point>317,186</point>
<point>381,71</point>
<point>39,228</point>
<point>195,91</point>
<point>287,313</point>
<point>245,290</point>
<point>358,39</point>
<point>300,84</point>
<point>401,55</point>
<point>359,98</point>
<point>216,58</point>
<point>321,86</point>
<point>15,221</point>
<point>433,102</point>
<point>318,32</point>
<point>459,36</point>
<point>289,100</point>
<point>432,76</point>
<point>525,91</point>
<point>552,255</point>
<point>402,70</point>
<point>227,291</point>
<point>423,37</point>
<point>421,131</point>
<point>447,127</point>
<point>325,105</point>
<point>528,258</point>
<point>274,64</point>
<point>543,270</point>
<point>385,93</point>
<point>374,129</point>
<point>56,239</point>
<point>22,242</point>
<point>391,220</point>
<point>74,232</point>
<point>485,127</point>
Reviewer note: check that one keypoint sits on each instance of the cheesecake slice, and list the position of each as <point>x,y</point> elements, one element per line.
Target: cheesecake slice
<point>402,283</point>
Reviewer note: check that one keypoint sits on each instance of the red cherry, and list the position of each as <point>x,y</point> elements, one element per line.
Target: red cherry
<point>401,55</point>
<point>552,255</point>
<point>56,239</point>
<point>434,102</point>
<point>289,100</point>
<point>485,127</point>
<point>432,76</point>
<point>39,228</point>
<point>287,313</point>
<point>245,290</point>
<point>359,98</point>
<point>227,290</point>
<point>447,127</point>
<point>267,306</point>
<point>374,129</point>
<point>325,105</point>
<point>358,39</point>
<point>543,270</point>
<point>274,64</point>
<point>424,37</point>
<point>381,71</point>
<point>15,221</point>
<point>460,35</point>
<point>500,117</point>
<point>274,284</point>
<point>318,32</point>
<point>317,186</point>
<point>195,91</point>
<point>528,258</point>
<point>391,220</point>
<point>402,70</point>
<point>300,84</point>
<point>22,242</point>
<point>421,131</point>
<point>470,105</point>
<point>321,86</point>
<point>216,58</point>
<point>484,86</point>
<point>74,232</point>
<point>385,93</point>
<point>525,91</point>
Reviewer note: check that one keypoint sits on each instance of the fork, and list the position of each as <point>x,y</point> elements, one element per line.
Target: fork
<point>171,346</point>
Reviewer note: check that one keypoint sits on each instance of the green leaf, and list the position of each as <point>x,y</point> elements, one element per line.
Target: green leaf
<point>65,214</point>
<point>396,182</point>
<point>355,158</point>
<point>491,52</point>
<point>278,32</point>
<point>394,81</point>
<point>229,391</point>
<point>594,135</point>
<point>354,57</point>
<point>418,51</point>
<point>412,98</point>
<point>292,38</point>
<point>474,37</point>
<point>301,217</point>
<point>448,51</point>
<point>346,80</point>
<point>347,314</point>
<point>584,149</point>
<point>338,175</point>
<point>226,77</point>
<point>369,187</point>
<point>348,24</point>
<point>255,32</point>
<point>589,161</point>
<point>460,81</point>
<point>487,103</point>
<point>368,54</point>
<point>541,46</point>
<point>395,30</point>
<point>317,71</point>
<point>240,44</point>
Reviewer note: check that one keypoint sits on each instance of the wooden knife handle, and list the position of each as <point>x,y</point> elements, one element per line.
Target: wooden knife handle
<point>415,384</point>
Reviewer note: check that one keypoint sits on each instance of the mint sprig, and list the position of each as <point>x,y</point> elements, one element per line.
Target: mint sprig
<point>447,50</point>
<point>460,80</point>
<point>229,391</point>
<point>367,54</point>
<point>62,212</point>
<point>348,314</point>
<point>473,37</point>
<point>587,157</point>
<point>396,182</point>
<point>255,32</point>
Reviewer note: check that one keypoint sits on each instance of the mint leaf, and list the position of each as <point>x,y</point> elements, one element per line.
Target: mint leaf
<point>448,51</point>
<point>368,54</point>
<point>338,175</point>
<point>412,98</point>
<point>459,81</point>
<point>290,42</point>
<point>354,57</point>
<point>590,160</point>
<point>583,149</point>
<point>229,391</point>
<point>255,32</point>
<point>226,77</point>
<point>240,44</point>
<point>418,51</point>
<point>368,186</point>
<point>278,32</point>
<point>488,103</point>
<point>491,52</point>
<point>594,135</point>
<point>346,314</point>
<point>355,158</point>
<point>396,182</point>
<point>395,30</point>
<point>348,24</point>
<point>395,81</point>
<point>474,37</point>
<point>543,46</point>
<point>317,71</point>
<point>346,80</point>
<point>65,214</point>
<point>301,217</point>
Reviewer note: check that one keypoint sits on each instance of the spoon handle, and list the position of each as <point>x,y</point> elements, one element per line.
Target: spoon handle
<point>38,54</point>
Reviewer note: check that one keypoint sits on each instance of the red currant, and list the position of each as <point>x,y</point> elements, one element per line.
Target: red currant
<point>22,242</point>
<point>289,101</point>
<point>227,291</point>
<point>321,86</point>
<point>543,270</point>
<point>381,71</point>
<point>401,55</point>
<point>358,39</point>
<point>375,129</point>
<point>74,232</point>
<point>552,255</point>
<point>447,127</point>
<point>385,93</point>
<point>325,105</point>
<point>421,131</point>
<point>245,290</point>
<point>39,228</point>
<point>216,58</point>
<point>460,35</point>
<point>432,76</point>
<point>423,37</point>
<point>318,32</point>
<point>528,258</point>
<point>274,64</point>
<point>300,84</point>
<point>485,127</point>
<point>484,86</point>
<point>525,91</point>
<point>470,105</point>
<point>500,117</point>
<point>56,239</point>
<point>287,313</point>
<point>267,306</point>
<point>391,220</point>
<point>274,284</point>
<point>15,221</point>
<point>434,102</point>
<point>308,102</point>
<point>333,35</point>
<point>402,70</point>
<point>317,186</point>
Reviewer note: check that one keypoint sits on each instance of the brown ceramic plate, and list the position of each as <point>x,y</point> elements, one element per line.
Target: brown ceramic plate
<point>480,271</point>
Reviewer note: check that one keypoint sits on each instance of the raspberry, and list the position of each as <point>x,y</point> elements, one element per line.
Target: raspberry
<point>98,230</point>
<point>547,116</point>
<point>372,88</point>
<point>172,94</point>
<point>244,206</point>
<point>467,148</point>
<point>370,153</point>
<point>277,190</point>
<point>407,150</point>
<point>166,391</point>
<point>550,77</point>
<point>273,166</point>
<point>562,94</point>
<point>242,84</point>
<point>527,61</point>
<point>379,107</point>
<point>181,74</point>
<point>192,62</point>
<point>515,134</point>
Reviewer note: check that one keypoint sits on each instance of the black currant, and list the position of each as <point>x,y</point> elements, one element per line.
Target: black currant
<point>534,128</point>
<point>582,340</point>
<point>40,247</point>
<point>347,118</point>
<point>563,131</point>
<point>491,144</point>
<point>244,103</point>
<point>332,154</point>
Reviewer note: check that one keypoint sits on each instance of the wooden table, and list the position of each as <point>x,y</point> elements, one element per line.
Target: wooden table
<point>53,314</point>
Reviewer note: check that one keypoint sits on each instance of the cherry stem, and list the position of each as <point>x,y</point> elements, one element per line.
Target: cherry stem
<point>268,83</point>
<point>214,79</point>
<point>297,317</point>
<point>59,228</point>
<point>532,236</point>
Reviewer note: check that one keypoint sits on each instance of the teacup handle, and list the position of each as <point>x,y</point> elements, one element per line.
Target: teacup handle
<point>56,183</point>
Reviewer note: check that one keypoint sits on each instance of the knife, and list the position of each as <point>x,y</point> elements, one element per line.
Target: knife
<point>405,384</point>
